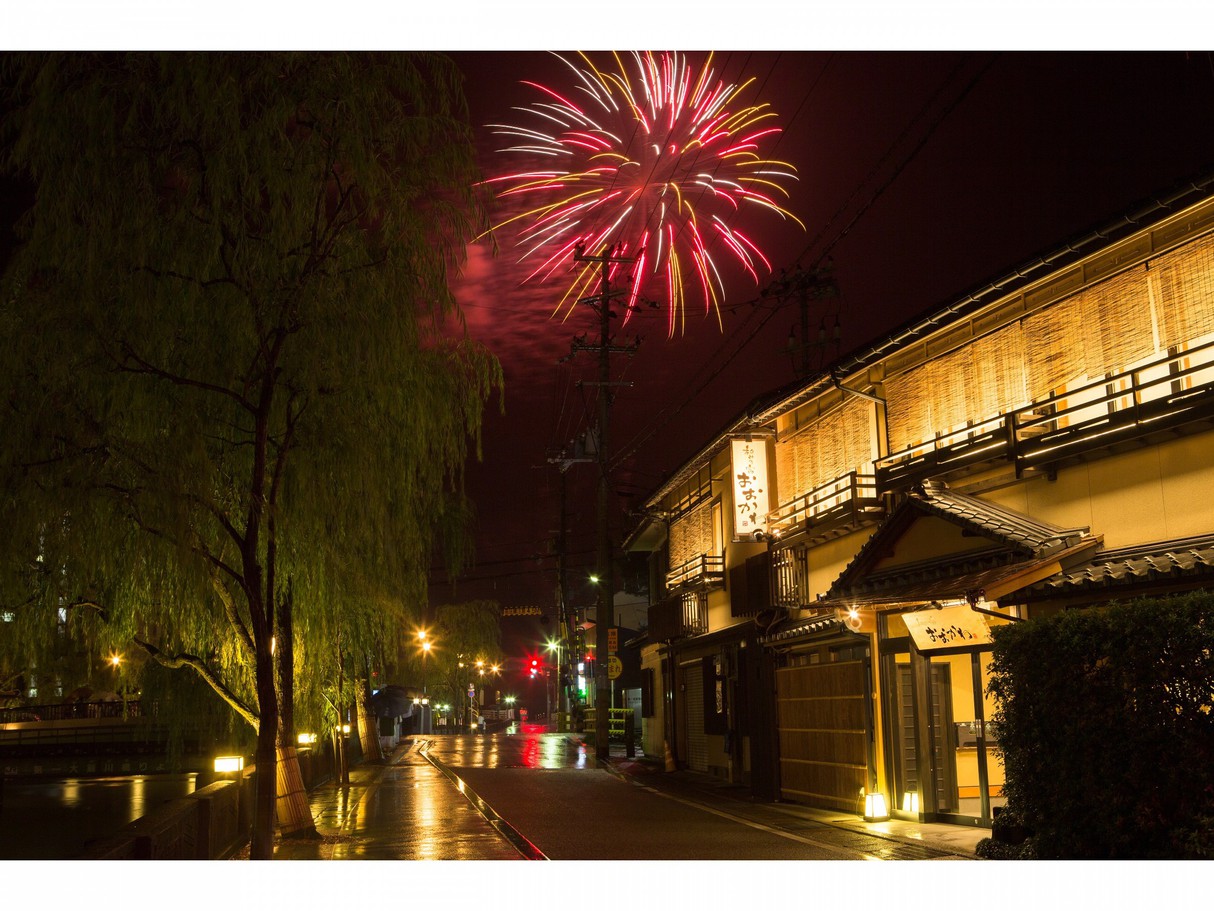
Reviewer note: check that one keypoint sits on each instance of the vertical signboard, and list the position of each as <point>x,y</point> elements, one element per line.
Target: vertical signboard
<point>751,499</point>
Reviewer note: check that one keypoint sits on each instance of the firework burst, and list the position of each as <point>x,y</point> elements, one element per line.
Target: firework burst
<point>653,160</point>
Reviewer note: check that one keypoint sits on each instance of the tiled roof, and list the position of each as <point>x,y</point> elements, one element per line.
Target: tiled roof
<point>1017,537</point>
<point>1187,558</point>
<point>943,582</point>
<point>796,629</point>
<point>992,520</point>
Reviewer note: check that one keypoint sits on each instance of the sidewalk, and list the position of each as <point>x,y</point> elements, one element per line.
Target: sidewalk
<point>955,840</point>
<point>401,809</point>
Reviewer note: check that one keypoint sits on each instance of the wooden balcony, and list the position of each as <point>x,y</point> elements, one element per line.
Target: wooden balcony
<point>835,506</point>
<point>1159,400</point>
<point>678,617</point>
<point>703,572</point>
<point>950,453</point>
<point>1170,395</point>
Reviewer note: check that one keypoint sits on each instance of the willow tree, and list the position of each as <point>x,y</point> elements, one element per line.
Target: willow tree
<point>239,396</point>
<point>463,633</point>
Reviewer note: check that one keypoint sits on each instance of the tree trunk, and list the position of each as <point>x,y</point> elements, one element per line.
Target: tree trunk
<point>262,847</point>
<point>293,812</point>
<point>368,725</point>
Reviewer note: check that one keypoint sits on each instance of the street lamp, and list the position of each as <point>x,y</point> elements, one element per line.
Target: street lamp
<point>554,645</point>
<point>425,643</point>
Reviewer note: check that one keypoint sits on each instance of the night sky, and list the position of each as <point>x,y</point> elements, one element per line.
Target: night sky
<point>922,176</point>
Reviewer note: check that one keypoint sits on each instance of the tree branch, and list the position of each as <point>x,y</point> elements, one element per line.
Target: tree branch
<point>147,368</point>
<point>229,609</point>
<point>200,667</point>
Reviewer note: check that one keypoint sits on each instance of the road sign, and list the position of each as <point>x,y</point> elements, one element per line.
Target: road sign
<point>613,639</point>
<point>615,667</point>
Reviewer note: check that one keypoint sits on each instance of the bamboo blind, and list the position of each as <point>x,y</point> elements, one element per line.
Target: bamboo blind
<point>691,535</point>
<point>840,443</point>
<point>1099,331</point>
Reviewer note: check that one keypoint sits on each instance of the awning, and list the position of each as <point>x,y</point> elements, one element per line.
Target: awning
<point>989,583</point>
<point>818,626</point>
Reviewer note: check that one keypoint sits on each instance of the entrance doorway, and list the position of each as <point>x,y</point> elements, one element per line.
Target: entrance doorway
<point>942,751</point>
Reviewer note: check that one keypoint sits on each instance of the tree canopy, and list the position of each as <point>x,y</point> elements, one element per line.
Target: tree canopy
<point>237,394</point>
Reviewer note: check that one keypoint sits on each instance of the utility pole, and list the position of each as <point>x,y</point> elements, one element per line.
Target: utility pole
<point>814,284</point>
<point>605,600</point>
<point>564,680</point>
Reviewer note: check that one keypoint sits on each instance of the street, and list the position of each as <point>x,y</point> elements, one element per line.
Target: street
<point>534,795</point>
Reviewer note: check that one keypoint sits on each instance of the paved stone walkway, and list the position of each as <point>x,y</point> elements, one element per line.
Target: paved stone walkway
<point>405,810</point>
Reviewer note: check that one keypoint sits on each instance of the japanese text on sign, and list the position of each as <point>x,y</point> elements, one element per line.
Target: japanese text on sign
<point>750,494</point>
<point>950,627</point>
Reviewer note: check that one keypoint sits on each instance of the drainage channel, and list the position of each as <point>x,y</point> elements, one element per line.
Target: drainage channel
<point>507,831</point>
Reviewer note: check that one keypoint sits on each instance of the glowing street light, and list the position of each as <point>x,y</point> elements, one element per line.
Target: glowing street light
<point>426,645</point>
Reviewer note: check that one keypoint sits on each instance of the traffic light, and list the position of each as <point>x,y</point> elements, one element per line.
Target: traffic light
<point>535,666</point>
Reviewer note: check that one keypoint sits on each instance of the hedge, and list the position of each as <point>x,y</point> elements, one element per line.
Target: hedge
<point>1105,724</point>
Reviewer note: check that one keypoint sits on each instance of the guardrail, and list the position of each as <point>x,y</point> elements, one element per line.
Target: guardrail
<point>621,726</point>
<point>846,495</point>
<point>210,824</point>
<point>69,711</point>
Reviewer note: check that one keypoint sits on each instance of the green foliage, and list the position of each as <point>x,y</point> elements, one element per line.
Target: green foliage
<point>229,356</point>
<point>1106,727</point>
<point>463,633</point>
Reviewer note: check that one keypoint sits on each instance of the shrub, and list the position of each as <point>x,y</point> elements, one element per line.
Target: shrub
<point>1106,728</point>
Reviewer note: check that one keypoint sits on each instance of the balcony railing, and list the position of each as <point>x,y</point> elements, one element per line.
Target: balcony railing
<point>1159,396</point>
<point>838,501</point>
<point>679,616</point>
<point>1162,394</point>
<point>703,571</point>
<point>975,443</point>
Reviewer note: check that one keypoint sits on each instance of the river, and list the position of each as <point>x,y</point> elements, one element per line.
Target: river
<point>55,818</point>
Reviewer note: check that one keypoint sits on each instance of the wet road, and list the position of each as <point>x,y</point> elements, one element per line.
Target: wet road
<point>533,795</point>
<point>551,792</point>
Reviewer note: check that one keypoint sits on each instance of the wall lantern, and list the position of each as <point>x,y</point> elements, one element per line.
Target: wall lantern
<point>226,765</point>
<point>345,729</point>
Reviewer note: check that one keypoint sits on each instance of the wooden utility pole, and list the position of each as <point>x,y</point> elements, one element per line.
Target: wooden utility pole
<point>604,603</point>
<point>808,286</point>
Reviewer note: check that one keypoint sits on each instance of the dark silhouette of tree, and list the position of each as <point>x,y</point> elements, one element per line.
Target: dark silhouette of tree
<point>237,394</point>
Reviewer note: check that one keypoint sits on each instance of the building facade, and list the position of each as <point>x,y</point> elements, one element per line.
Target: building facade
<point>827,572</point>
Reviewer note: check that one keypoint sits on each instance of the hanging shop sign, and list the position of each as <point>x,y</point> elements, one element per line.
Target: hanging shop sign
<point>751,498</point>
<point>947,627</point>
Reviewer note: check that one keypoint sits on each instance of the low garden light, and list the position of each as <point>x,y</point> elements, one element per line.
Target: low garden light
<point>875,809</point>
<point>306,739</point>
<point>228,765</point>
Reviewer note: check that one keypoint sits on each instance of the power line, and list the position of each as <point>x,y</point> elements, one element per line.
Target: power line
<point>642,438</point>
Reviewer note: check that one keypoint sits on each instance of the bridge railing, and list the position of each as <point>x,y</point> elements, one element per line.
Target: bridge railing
<point>66,711</point>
